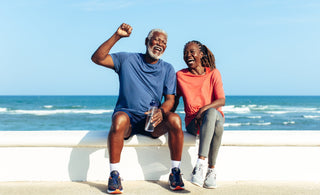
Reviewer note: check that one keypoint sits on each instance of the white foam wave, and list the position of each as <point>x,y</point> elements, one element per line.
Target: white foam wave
<point>252,117</point>
<point>233,109</point>
<point>289,122</point>
<point>232,124</point>
<point>246,124</point>
<point>310,116</point>
<point>262,124</point>
<point>278,112</point>
<point>237,116</point>
<point>61,111</point>
<point>258,107</point>
<point>309,109</point>
<point>74,106</point>
<point>285,110</point>
<point>3,109</point>
<point>269,109</point>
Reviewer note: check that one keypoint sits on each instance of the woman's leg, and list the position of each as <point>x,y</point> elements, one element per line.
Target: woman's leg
<point>216,141</point>
<point>211,135</point>
<point>207,131</point>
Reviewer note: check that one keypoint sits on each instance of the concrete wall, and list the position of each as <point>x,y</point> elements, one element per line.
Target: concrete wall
<point>83,156</point>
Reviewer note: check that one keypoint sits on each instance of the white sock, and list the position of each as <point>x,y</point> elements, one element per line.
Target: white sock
<point>175,163</point>
<point>211,169</point>
<point>114,167</point>
<point>201,161</point>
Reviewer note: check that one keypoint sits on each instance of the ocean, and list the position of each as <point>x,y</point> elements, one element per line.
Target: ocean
<point>26,113</point>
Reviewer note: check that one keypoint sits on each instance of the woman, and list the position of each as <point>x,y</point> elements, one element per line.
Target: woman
<point>201,88</point>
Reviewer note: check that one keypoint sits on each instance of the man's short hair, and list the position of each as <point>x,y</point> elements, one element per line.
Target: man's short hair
<point>156,30</point>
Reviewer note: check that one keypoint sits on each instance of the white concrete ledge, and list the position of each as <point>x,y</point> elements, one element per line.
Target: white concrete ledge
<point>83,156</point>
<point>271,138</point>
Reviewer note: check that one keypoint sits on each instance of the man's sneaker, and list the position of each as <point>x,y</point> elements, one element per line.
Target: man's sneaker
<point>210,181</point>
<point>197,175</point>
<point>175,179</point>
<point>114,184</point>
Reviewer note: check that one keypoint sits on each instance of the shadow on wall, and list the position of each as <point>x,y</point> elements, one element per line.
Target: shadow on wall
<point>79,163</point>
<point>156,161</point>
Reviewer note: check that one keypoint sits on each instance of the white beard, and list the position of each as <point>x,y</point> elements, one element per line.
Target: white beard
<point>152,55</point>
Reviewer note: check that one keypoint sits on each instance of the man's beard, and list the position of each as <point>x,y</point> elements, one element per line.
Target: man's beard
<point>152,55</point>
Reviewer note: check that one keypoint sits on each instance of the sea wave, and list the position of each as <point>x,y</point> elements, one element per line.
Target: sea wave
<point>61,111</point>
<point>278,112</point>
<point>289,122</point>
<point>258,107</point>
<point>3,109</point>
<point>310,116</point>
<point>246,124</point>
<point>242,116</point>
<point>234,109</point>
<point>253,117</point>
<point>232,124</point>
<point>262,124</point>
<point>63,107</point>
<point>244,109</point>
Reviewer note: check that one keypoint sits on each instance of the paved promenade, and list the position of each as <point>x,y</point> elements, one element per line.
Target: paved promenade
<point>161,188</point>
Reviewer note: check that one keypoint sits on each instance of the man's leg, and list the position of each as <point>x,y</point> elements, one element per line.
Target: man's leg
<point>172,125</point>
<point>119,130</point>
<point>175,136</point>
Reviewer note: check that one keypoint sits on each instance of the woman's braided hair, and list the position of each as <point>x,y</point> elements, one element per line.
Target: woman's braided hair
<point>208,59</point>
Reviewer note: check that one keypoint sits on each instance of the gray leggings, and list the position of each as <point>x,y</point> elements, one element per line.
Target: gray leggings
<point>211,131</point>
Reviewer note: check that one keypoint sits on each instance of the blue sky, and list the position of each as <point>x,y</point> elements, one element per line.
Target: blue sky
<point>262,47</point>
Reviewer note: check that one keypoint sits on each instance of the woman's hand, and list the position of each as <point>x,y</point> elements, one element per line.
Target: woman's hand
<point>199,115</point>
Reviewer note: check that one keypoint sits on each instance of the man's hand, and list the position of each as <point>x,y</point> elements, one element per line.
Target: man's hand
<point>124,30</point>
<point>157,117</point>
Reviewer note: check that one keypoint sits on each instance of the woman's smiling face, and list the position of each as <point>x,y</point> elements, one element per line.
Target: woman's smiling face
<point>192,55</point>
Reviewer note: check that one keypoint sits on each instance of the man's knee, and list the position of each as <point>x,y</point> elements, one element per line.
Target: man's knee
<point>174,121</point>
<point>120,122</point>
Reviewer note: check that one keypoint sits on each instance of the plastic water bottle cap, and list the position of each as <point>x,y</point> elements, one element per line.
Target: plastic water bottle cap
<point>153,103</point>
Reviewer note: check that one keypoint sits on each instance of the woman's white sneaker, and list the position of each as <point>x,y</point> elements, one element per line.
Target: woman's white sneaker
<point>198,175</point>
<point>210,181</point>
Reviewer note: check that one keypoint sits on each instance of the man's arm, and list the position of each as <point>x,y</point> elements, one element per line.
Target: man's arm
<point>168,103</point>
<point>176,103</point>
<point>101,55</point>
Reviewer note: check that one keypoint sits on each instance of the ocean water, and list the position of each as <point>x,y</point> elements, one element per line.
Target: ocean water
<point>23,113</point>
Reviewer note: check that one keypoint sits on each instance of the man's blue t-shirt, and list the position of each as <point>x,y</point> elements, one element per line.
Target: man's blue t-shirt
<point>141,82</point>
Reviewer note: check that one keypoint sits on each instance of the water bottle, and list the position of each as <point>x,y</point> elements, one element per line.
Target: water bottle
<point>152,110</point>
